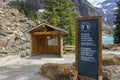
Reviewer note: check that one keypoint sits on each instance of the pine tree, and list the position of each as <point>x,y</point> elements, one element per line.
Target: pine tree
<point>117,23</point>
<point>61,13</point>
<point>25,8</point>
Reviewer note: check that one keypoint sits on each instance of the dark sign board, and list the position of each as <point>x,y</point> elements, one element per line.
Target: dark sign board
<point>88,48</point>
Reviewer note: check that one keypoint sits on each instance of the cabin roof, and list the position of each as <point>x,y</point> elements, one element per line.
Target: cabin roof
<point>48,25</point>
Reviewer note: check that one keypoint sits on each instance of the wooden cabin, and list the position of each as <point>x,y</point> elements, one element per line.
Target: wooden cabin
<point>48,39</point>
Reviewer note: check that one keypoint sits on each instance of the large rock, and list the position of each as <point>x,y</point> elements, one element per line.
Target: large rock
<point>110,59</point>
<point>111,67</point>
<point>111,72</point>
<point>59,71</point>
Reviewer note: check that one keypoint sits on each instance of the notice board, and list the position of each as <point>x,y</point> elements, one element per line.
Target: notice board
<point>88,48</point>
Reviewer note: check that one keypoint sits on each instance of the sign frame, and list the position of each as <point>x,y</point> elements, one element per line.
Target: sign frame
<point>99,18</point>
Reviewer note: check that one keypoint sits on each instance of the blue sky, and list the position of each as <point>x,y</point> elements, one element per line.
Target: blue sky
<point>94,1</point>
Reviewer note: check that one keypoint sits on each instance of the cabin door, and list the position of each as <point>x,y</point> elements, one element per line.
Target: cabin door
<point>41,44</point>
<point>47,44</point>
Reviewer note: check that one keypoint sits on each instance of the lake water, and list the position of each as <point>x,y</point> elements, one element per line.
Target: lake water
<point>107,40</point>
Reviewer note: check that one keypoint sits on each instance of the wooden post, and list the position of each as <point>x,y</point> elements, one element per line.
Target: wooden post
<point>61,46</point>
<point>31,45</point>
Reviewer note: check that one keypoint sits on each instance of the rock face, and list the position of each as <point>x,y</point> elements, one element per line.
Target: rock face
<point>14,37</point>
<point>84,8</point>
<point>59,71</point>
<point>107,8</point>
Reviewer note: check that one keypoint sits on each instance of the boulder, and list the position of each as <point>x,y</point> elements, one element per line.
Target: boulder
<point>110,59</point>
<point>111,67</point>
<point>111,72</point>
<point>59,71</point>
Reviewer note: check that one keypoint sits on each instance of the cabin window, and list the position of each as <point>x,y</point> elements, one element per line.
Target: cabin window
<point>38,42</point>
<point>52,41</point>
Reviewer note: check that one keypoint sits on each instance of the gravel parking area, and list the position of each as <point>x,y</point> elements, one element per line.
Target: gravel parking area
<point>16,68</point>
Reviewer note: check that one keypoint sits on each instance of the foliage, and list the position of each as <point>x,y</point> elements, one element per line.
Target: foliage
<point>117,23</point>
<point>60,13</point>
<point>25,8</point>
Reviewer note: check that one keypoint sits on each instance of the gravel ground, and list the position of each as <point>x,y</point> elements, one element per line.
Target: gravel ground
<point>111,52</point>
<point>16,68</point>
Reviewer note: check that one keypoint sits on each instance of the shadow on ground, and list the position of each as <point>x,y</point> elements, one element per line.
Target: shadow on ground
<point>49,56</point>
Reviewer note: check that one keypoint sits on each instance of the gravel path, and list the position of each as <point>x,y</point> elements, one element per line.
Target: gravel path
<point>111,52</point>
<point>16,68</point>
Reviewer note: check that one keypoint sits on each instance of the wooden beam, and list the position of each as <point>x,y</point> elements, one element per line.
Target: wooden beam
<point>41,33</point>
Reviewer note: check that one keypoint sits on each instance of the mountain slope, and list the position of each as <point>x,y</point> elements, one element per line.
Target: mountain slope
<point>13,31</point>
<point>84,8</point>
<point>107,9</point>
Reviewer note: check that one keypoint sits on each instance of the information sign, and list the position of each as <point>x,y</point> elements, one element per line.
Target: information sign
<point>88,48</point>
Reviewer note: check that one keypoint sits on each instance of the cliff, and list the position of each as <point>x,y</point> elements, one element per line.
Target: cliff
<point>84,8</point>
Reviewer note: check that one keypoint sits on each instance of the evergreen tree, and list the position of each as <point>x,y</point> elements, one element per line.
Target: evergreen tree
<point>25,8</point>
<point>117,23</point>
<point>60,13</point>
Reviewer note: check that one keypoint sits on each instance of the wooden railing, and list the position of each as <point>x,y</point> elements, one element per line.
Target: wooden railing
<point>69,48</point>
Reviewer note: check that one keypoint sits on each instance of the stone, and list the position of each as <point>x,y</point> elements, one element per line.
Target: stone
<point>3,51</point>
<point>22,55</point>
<point>13,14</point>
<point>3,33</point>
<point>13,29</point>
<point>3,43</point>
<point>106,46</point>
<point>59,71</point>
<point>22,20</point>
<point>111,72</point>
<point>1,12</point>
<point>110,59</point>
<point>111,67</point>
<point>9,32</point>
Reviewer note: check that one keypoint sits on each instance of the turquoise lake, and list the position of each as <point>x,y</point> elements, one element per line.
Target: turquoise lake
<point>107,40</point>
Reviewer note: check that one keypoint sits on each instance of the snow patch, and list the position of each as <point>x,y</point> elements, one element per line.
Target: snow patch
<point>109,4</point>
<point>41,10</point>
<point>95,1</point>
<point>98,5</point>
<point>115,8</point>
